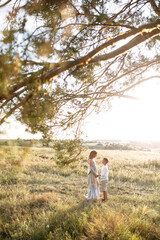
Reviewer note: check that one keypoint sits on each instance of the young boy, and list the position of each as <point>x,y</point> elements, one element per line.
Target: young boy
<point>104,178</point>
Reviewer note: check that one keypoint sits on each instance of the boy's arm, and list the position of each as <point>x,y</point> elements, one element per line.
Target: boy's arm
<point>103,173</point>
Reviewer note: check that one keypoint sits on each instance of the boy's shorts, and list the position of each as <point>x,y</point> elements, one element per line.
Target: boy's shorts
<point>104,186</point>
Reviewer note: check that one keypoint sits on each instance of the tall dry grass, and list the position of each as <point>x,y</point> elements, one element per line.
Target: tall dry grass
<point>40,201</point>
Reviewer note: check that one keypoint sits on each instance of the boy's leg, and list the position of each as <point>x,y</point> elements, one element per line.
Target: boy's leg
<point>103,195</point>
<point>106,195</point>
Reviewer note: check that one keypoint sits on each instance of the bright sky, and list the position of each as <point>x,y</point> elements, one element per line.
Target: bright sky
<point>126,120</point>
<point>130,119</point>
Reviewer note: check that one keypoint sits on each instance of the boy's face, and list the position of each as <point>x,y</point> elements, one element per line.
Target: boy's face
<point>103,162</point>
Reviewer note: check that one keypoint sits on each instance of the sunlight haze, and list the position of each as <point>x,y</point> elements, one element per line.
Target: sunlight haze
<point>127,119</point>
<point>130,119</point>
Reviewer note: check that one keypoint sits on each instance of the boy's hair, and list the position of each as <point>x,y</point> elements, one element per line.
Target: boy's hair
<point>106,160</point>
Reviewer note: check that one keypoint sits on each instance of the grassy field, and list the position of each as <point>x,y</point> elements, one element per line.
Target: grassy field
<point>40,201</point>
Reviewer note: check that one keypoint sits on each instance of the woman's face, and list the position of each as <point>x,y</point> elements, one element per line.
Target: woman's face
<point>95,155</point>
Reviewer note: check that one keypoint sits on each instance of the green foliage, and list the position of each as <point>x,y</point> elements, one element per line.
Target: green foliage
<point>37,112</point>
<point>51,71</point>
<point>68,151</point>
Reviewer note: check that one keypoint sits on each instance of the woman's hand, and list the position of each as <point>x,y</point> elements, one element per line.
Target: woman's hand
<point>98,175</point>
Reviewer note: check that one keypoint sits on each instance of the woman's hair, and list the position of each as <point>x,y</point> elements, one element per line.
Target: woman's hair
<point>92,154</point>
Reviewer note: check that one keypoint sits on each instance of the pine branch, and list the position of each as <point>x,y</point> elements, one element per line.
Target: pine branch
<point>4,4</point>
<point>155,7</point>
<point>147,31</point>
<point>134,42</point>
<point>22,103</point>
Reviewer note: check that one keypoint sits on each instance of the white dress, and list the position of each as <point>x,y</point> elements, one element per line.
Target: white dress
<point>93,183</point>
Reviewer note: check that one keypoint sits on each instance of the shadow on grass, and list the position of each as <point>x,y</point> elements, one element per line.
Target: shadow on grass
<point>66,222</point>
<point>83,220</point>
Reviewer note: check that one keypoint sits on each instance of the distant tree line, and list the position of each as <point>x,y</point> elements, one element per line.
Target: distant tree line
<point>66,152</point>
<point>111,146</point>
<point>21,142</point>
<point>58,143</point>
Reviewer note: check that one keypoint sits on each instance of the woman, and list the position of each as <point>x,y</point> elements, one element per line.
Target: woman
<point>93,184</point>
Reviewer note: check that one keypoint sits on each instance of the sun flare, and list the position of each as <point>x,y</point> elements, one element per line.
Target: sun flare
<point>130,119</point>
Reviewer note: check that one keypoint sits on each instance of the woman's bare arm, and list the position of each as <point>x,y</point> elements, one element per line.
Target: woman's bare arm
<point>91,162</point>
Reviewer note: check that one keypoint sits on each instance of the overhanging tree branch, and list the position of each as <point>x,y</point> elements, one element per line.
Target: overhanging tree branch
<point>134,42</point>
<point>147,31</point>
<point>155,7</point>
<point>87,70</point>
<point>137,83</point>
<point>22,103</point>
<point>4,4</point>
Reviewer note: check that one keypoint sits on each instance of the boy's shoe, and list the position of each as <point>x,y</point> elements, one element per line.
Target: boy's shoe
<point>104,200</point>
